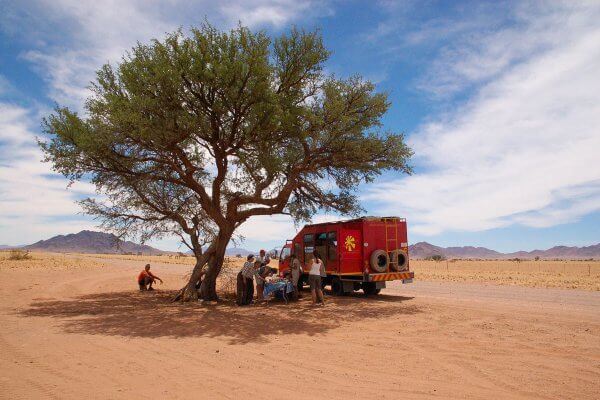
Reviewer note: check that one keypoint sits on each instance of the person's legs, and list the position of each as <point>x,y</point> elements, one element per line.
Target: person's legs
<point>312,281</point>
<point>240,289</point>
<point>142,285</point>
<point>248,291</point>
<point>259,291</point>
<point>149,281</point>
<point>320,294</point>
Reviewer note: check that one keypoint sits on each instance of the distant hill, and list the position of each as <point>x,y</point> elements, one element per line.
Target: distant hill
<point>91,242</point>
<point>234,251</point>
<point>424,249</point>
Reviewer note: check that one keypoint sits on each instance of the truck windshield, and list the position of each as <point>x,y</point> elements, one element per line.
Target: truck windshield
<point>309,246</point>
<point>285,253</point>
<point>321,246</point>
<point>331,246</point>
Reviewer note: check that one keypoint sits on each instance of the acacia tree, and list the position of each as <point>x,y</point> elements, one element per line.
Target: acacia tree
<point>195,134</point>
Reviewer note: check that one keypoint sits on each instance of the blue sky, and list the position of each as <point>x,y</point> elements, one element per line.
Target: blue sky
<point>499,100</point>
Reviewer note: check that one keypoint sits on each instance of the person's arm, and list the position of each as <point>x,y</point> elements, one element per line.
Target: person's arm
<point>155,277</point>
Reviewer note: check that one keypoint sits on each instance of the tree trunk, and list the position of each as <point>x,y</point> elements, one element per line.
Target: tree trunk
<point>208,288</point>
<point>214,257</point>
<point>189,291</point>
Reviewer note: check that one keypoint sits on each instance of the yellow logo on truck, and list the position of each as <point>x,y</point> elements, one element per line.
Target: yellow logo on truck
<point>350,243</point>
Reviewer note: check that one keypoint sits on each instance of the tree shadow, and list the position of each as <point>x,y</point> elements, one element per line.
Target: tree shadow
<point>143,314</point>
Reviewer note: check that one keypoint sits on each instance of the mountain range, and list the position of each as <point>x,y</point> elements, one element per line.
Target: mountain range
<point>99,242</point>
<point>91,242</point>
<point>424,249</point>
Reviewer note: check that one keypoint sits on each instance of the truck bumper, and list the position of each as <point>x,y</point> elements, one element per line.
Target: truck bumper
<point>405,277</point>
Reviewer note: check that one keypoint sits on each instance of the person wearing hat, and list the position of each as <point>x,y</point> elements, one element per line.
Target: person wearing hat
<point>245,282</point>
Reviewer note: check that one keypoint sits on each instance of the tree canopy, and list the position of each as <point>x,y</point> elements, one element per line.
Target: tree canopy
<point>195,134</point>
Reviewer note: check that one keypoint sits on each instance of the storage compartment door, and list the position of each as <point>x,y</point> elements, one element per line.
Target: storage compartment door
<point>350,246</point>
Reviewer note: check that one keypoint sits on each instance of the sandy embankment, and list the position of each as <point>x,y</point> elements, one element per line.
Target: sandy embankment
<point>77,330</point>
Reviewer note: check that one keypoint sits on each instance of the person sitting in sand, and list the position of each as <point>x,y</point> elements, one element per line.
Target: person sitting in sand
<point>147,278</point>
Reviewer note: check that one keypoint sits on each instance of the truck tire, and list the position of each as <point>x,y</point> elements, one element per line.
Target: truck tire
<point>337,287</point>
<point>398,260</point>
<point>369,288</point>
<point>380,261</point>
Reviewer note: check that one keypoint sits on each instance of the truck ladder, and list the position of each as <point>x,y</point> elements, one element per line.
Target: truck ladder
<point>391,235</point>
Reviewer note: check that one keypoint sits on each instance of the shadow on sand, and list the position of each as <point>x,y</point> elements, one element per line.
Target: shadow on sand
<point>139,314</point>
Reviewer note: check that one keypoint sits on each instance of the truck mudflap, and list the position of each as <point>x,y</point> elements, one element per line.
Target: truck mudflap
<point>406,277</point>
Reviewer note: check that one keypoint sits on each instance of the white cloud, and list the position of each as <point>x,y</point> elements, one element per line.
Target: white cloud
<point>34,202</point>
<point>276,229</point>
<point>67,41</point>
<point>524,148</point>
<point>77,36</point>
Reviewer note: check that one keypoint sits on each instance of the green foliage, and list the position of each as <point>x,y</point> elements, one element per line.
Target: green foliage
<point>197,133</point>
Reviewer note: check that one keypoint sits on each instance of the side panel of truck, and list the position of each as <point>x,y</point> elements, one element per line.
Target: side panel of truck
<point>350,248</point>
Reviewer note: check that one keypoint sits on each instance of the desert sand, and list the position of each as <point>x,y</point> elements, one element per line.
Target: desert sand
<point>76,327</point>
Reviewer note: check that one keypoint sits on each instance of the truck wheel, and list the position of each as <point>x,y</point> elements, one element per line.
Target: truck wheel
<point>337,287</point>
<point>398,260</point>
<point>370,289</point>
<point>380,261</point>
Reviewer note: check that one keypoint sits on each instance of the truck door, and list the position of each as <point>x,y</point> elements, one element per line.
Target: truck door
<point>284,257</point>
<point>333,261</point>
<point>350,249</point>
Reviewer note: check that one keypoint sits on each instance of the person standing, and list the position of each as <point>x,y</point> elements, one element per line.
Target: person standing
<point>245,283</point>
<point>295,275</point>
<point>317,269</point>
<point>263,258</point>
<point>259,275</point>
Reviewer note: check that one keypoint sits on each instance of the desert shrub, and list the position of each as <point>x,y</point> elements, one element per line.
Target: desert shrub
<point>537,258</point>
<point>18,255</point>
<point>228,277</point>
<point>435,257</point>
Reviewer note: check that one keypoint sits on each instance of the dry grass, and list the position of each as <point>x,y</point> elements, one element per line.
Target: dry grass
<point>583,275</point>
<point>19,255</point>
<point>550,274</point>
<point>46,261</point>
<point>164,259</point>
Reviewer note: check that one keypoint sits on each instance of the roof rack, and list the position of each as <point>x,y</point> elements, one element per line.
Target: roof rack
<point>365,218</point>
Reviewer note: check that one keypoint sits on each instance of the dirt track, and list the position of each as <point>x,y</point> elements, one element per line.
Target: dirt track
<point>86,332</point>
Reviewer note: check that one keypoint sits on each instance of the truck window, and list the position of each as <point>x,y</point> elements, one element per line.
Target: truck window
<point>321,246</point>
<point>285,253</point>
<point>309,246</point>
<point>331,246</point>
<point>298,251</point>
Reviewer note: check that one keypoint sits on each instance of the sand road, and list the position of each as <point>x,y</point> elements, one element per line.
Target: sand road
<point>87,333</point>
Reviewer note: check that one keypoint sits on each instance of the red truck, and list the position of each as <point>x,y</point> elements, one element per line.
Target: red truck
<point>361,253</point>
